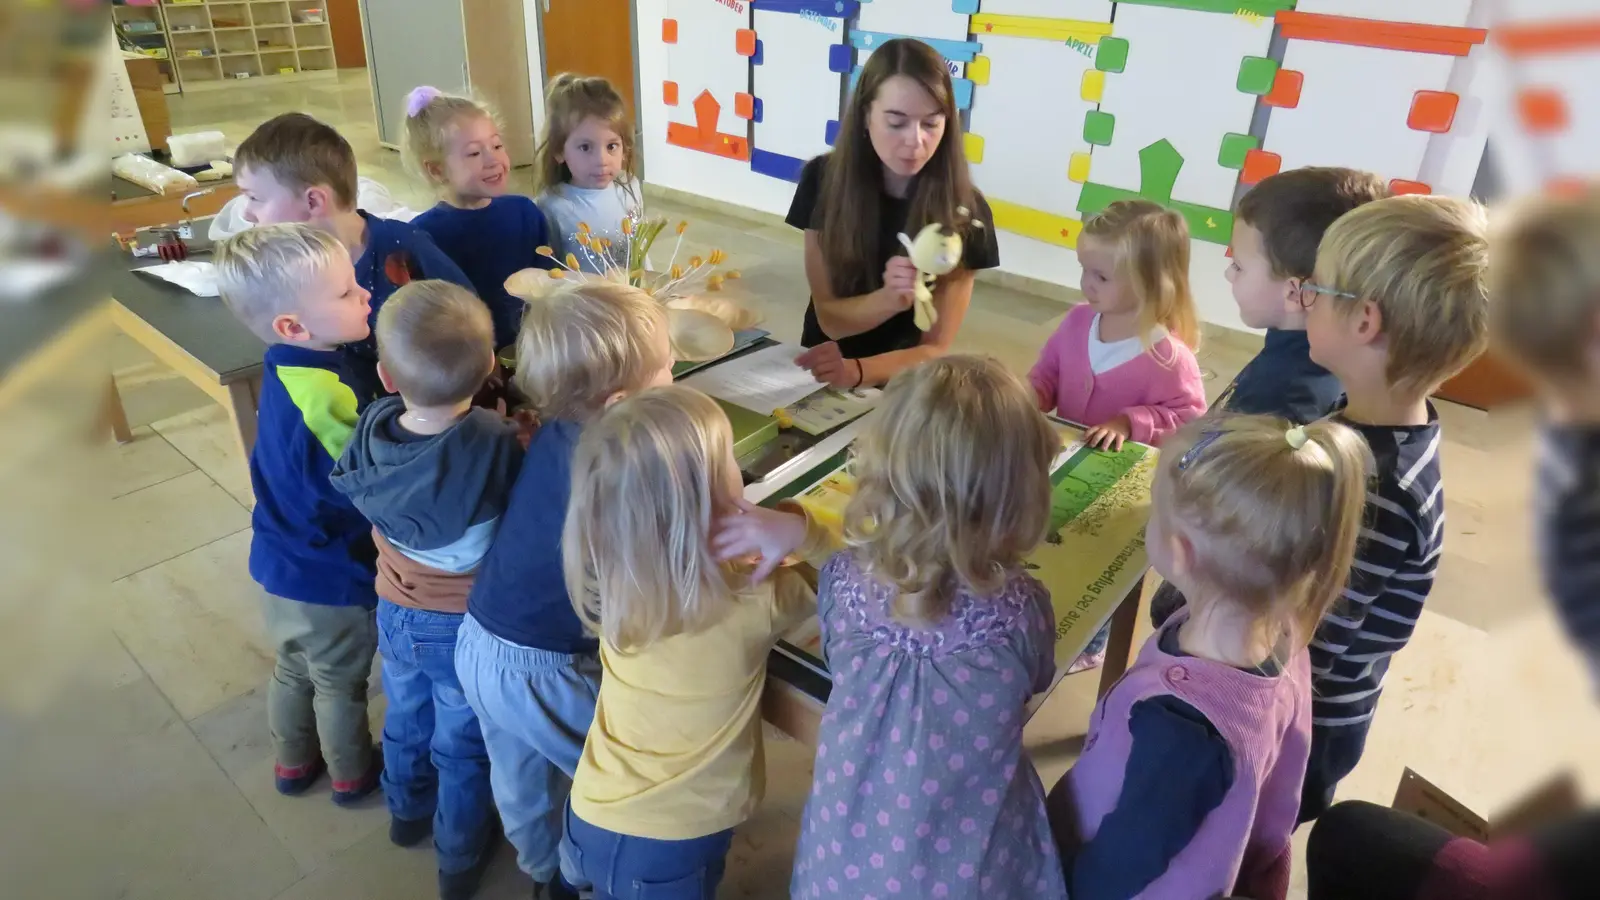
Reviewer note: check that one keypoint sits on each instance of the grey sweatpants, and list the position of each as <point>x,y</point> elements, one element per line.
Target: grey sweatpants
<point>319,685</point>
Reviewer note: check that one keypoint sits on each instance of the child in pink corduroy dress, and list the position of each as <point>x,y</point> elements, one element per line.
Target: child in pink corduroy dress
<point>1122,363</point>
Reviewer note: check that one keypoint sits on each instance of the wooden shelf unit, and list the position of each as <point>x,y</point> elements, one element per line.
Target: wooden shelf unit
<point>136,22</point>
<point>245,39</point>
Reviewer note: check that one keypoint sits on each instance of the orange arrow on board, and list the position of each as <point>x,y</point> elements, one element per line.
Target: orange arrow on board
<point>706,112</point>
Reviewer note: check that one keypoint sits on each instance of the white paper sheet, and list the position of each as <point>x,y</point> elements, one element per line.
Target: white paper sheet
<point>761,382</point>
<point>198,278</point>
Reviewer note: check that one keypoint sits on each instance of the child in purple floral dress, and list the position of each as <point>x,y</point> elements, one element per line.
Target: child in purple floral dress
<point>937,639</point>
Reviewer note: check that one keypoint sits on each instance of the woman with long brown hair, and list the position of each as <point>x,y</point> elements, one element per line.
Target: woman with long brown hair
<point>897,165</point>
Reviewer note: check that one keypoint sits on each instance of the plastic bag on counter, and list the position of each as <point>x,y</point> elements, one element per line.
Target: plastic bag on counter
<point>151,175</point>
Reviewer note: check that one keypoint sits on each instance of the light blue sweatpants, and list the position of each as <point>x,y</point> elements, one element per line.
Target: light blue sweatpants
<point>535,708</point>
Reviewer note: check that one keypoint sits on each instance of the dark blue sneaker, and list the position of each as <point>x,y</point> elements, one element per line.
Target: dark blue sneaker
<point>409,832</point>
<point>349,793</point>
<point>295,780</point>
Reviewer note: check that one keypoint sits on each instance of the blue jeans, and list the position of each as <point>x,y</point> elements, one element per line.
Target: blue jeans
<point>434,762</point>
<point>623,867</point>
<point>535,707</point>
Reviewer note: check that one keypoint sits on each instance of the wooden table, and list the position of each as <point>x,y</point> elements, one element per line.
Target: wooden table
<point>199,339</point>
<point>793,699</point>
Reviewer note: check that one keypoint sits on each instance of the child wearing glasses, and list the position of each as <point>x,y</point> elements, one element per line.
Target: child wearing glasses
<point>1190,775</point>
<point>1122,362</point>
<point>1397,307</point>
<point>1276,230</point>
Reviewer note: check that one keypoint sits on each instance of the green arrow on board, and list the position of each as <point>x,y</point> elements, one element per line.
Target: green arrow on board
<point>1159,165</point>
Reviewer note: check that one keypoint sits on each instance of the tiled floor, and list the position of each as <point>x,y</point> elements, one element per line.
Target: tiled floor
<point>148,777</point>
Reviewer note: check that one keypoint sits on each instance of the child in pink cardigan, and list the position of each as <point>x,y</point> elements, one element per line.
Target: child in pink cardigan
<point>1122,363</point>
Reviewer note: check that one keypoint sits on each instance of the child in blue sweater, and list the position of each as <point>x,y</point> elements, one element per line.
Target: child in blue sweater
<point>293,168</point>
<point>311,551</point>
<point>454,145</point>
<point>529,668</point>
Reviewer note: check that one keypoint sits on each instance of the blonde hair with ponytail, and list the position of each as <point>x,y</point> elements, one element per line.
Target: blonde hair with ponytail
<point>431,115</point>
<point>1273,525</point>
<point>1152,249</point>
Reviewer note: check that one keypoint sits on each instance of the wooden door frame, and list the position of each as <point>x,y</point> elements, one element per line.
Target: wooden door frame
<point>633,47</point>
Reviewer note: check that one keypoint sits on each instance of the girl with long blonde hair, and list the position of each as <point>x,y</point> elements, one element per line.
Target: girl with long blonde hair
<point>674,759</point>
<point>937,638</point>
<point>1189,783</point>
<point>584,164</point>
<point>1122,363</point>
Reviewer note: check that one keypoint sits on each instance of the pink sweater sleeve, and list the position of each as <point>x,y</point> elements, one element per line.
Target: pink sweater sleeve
<point>1045,375</point>
<point>1177,395</point>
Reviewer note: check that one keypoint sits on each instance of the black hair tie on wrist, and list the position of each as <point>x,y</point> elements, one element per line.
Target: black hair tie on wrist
<point>861,374</point>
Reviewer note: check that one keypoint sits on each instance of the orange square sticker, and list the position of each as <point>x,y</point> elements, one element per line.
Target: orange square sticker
<point>669,31</point>
<point>744,105</point>
<point>744,42</point>
<point>669,93</point>
<point>1259,164</point>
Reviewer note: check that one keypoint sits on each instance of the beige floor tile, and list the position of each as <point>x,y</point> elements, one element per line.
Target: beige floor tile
<point>374,869</point>
<point>167,520</point>
<point>122,801</point>
<point>150,391</point>
<point>194,624</point>
<point>147,460</point>
<point>205,436</point>
<point>311,827</point>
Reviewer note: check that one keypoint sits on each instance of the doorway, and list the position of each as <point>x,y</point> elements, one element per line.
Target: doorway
<point>591,37</point>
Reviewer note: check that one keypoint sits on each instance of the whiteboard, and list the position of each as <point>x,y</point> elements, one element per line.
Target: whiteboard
<point>1083,10</point>
<point>913,18</point>
<point>1430,12</point>
<point>1025,156</point>
<point>1180,84</point>
<point>1355,122</point>
<point>705,58</point>
<point>1572,152</point>
<point>797,92</point>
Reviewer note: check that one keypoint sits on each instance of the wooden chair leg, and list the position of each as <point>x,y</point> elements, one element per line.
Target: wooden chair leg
<point>1119,646</point>
<point>114,414</point>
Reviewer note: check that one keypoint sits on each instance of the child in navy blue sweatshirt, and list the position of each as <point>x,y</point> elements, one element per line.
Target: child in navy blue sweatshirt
<point>433,474</point>
<point>311,551</point>
<point>454,144</point>
<point>1276,232</point>
<point>293,168</point>
<point>528,667</point>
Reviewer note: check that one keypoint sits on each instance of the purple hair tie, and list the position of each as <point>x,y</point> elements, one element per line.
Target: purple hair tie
<point>419,98</point>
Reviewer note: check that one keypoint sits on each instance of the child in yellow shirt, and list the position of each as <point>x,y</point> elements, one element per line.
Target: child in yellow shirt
<point>674,759</point>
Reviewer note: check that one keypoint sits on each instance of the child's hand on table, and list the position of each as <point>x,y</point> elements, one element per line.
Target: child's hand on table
<point>1110,435</point>
<point>755,531</point>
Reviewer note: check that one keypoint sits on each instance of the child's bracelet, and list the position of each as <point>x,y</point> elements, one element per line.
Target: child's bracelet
<point>861,375</point>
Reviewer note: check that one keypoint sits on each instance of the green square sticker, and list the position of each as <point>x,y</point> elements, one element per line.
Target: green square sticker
<point>1098,126</point>
<point>1234,147</point>
<point>1256,74</point>
<point>1112,54</point>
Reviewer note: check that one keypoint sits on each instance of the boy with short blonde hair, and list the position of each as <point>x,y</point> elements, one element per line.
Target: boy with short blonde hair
<point>293,168</point>
<point>529,668</point>
<point>1545,314</point>
<point>1397,306</point>
<point>433,474</point>
<point>311,550</point>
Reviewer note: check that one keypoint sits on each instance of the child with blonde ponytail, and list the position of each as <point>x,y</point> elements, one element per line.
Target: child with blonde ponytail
<point>453,144</point>
<point>1190,778</point>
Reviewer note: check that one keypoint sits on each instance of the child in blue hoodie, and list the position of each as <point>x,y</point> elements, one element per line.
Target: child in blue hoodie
<point>433,474</point>
<point>529,668</point>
